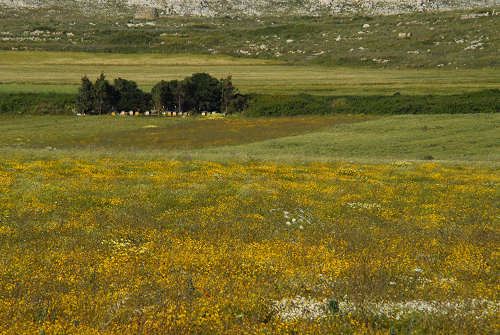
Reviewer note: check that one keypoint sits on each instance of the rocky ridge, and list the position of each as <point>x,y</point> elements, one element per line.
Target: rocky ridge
<point>212,8</point>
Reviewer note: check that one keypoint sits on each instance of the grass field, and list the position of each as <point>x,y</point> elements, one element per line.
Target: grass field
<point>61,72</point>
<point>460,138</point>
<point>137,134</point>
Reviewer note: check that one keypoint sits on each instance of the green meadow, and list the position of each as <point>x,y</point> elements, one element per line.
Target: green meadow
<point>61,72</point>
<point>456,139</point>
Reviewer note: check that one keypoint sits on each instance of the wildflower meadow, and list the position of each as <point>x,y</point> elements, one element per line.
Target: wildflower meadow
<point>114,246</point>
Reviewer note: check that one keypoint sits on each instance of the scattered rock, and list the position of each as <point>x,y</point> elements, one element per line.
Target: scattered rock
<point>380,60</point>
<point>474,15</point>
<point>404,35</point>
<point>146,13</point>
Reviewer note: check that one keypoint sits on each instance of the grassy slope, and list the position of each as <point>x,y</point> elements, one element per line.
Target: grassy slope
<point>61,72</point>
<point>460,138</point>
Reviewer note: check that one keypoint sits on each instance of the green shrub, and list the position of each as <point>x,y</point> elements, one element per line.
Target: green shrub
<point>487,101</point>
<point>36,103</point>
<point>281,105</point>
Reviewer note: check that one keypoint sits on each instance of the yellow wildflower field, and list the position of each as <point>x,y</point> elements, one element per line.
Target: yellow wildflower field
<point>111,246</point>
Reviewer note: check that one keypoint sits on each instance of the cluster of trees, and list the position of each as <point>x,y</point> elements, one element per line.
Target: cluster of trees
<point>101,97</point>
<point>197,93</point>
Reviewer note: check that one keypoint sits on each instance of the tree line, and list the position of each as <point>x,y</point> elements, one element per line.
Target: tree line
<point>197,93</point>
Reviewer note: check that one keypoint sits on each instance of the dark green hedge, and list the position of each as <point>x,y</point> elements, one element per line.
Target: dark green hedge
<point>487,101</point>
<point>36,103</point>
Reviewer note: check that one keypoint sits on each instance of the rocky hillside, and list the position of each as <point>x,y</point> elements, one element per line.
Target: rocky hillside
<point>264,7</point>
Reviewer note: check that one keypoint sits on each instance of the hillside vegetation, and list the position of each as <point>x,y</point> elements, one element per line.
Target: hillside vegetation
<point>457,39</point>
<point>253,7</point>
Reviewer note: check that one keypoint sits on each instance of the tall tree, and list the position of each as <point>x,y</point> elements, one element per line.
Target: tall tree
<point>164,95</point>
<point>228,94</point>
<point>130,96</point>
<point>105,96</point>
<point>85,98</point>
<point>178,92</point>
<point>160,95</point>
<point>202,92</point>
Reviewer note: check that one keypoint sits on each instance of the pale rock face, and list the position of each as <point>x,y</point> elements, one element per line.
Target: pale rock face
<point>265,7</point>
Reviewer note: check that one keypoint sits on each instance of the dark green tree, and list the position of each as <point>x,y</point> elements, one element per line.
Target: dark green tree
<point>228,94</point>
<point>105,96</point>
<point>85,98</point>
<point>164,95</point>
<point>161,95</point>
<point>130,97</point>
<point>239,103</point>
<point>179,92</point>
<point>202,92</point>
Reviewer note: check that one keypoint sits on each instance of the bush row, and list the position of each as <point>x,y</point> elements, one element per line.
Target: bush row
<point>37,103</point>
<point>487,101</point>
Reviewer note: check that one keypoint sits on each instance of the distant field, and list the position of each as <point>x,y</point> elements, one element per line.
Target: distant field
<point>61,72</point>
